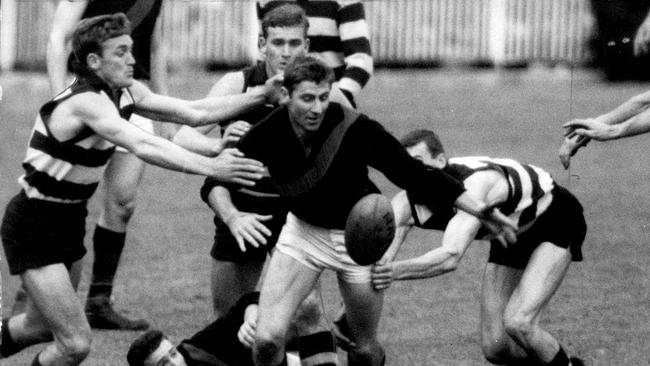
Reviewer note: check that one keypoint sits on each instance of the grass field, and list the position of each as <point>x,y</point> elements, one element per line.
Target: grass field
<point>602,311</point>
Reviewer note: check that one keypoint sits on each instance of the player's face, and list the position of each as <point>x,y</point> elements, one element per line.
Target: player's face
<point>281,46</point>
<point>115,64</point>
<point>307,105</point>
<point>165,355</point>
<point>421,152</point>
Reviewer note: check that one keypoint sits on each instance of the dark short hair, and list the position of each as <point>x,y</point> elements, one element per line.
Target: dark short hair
<point>306,68</point>
<point>143,346</point>
<point>430,139</point>
<point>285,15</point>
<point>92,32</point>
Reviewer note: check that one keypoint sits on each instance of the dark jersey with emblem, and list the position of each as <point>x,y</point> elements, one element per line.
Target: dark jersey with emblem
<point>327,196</point>
<point>143,15</point>
<point>69,171</point>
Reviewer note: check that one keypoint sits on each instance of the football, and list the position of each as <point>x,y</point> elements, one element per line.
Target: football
<point>369,229</point>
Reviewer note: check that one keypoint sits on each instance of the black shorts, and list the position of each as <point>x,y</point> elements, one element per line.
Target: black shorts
<point>36,233</point>
<point>226,249</point>
<point>562,224</point>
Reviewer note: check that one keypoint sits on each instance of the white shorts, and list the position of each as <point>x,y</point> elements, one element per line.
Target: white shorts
<point>319,249</point>
<point>142,122</point>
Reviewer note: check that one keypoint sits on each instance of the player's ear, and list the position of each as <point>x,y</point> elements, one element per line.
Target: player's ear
<point>261,44</point>
<point>307,44</point>
<point>93,61</point>
<point>284,95</point>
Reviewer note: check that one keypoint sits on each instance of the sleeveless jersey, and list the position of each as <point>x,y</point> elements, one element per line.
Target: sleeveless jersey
<point>529,192</point>
<point>145,14</point>
<point>69,171</point>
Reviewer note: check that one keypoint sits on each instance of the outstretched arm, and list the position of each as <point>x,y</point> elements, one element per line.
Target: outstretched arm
<point>606,126</point>
<point>204,111</point>
<point>67,15</point>
<point>459,234</point>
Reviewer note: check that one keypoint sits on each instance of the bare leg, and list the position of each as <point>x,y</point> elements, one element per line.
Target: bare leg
<point>498,284</point>
<point>230,280</point>
<point>287,284</point>
<point>542,277</point>
<point>363,309</point>
<point>56,309</point>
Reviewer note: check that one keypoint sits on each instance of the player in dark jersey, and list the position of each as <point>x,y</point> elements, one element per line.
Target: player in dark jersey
<point>74,136</point>
<point>322,171</point>
<point>519,280</point>
<point>124,171</point>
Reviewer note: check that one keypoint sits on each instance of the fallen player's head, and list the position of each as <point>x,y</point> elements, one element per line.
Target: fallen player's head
<point>102,45</point>
<point>424,145</point>
<point>307,69</point>
<point>152,349</point>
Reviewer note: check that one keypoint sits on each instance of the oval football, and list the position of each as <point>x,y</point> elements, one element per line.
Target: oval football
<point>369,229</point>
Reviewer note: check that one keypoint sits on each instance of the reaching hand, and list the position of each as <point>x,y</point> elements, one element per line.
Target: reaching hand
<point>590,127</point>
<point>234,132</point>
<point>382,275</point>
<point>248,227</point>
<point>246,332</point>
<point>500,225</point>
<point>273,88</point>
<point>231,167</point>
<point>642,38</point>
<point>572,142</point>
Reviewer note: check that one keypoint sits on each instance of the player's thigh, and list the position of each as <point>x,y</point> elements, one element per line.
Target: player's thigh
<point>363,309</point>
<point>286,285</point>
<point>543,275</point>
<point>122,177</point>
<point>230,280</point>
<point>51,291</point>
<point>499,282</point>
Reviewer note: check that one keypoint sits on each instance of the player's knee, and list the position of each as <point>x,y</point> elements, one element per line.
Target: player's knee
<point>266,349</point>
<point>518,326</point>
<point>76,348</point>
<point>365,354</point>
<point>495,351</point>
<point>308,314</point>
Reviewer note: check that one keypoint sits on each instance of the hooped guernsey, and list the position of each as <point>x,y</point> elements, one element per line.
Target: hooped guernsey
<point>322,187</point>
<point>69,171</point>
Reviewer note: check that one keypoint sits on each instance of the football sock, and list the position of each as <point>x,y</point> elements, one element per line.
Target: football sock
<point>317,349</point>
<point>560,359</point>
<point>8,346</point>
<point>108,247</point>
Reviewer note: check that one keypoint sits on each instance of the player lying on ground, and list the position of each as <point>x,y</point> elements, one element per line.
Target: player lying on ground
<point>73,138</point>
<point>519,279</point>
<point>629,119</point>
<point>225,342</point>
<point>322,170</point>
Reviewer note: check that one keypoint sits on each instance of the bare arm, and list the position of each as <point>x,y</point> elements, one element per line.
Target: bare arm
<point>66,17</point>
<point>203,111</point>
<point>99,114</point>
<point>403,224</point>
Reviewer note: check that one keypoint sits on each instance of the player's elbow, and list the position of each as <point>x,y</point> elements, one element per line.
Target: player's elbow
<point>451,262</point>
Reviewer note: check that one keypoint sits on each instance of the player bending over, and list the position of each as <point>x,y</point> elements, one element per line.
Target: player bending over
<point>519,279</point>
<point>73,138</point>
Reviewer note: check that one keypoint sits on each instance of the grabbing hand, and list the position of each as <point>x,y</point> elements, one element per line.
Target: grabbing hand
<point>230,166</point>
<point>501,226</point>
<point>246,333</point>
<point>382,275</point>
<point>642,38</point>
<point>234,132</point>
<point>273,88</point>
<point>246,226</point>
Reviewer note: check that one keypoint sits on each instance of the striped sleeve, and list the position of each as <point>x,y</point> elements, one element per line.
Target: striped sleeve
<point>355,40</point>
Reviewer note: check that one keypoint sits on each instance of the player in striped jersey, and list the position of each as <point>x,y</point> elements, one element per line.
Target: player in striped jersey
<point>519,279</point>
<point>339,35</point>
<point>74,136</point>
